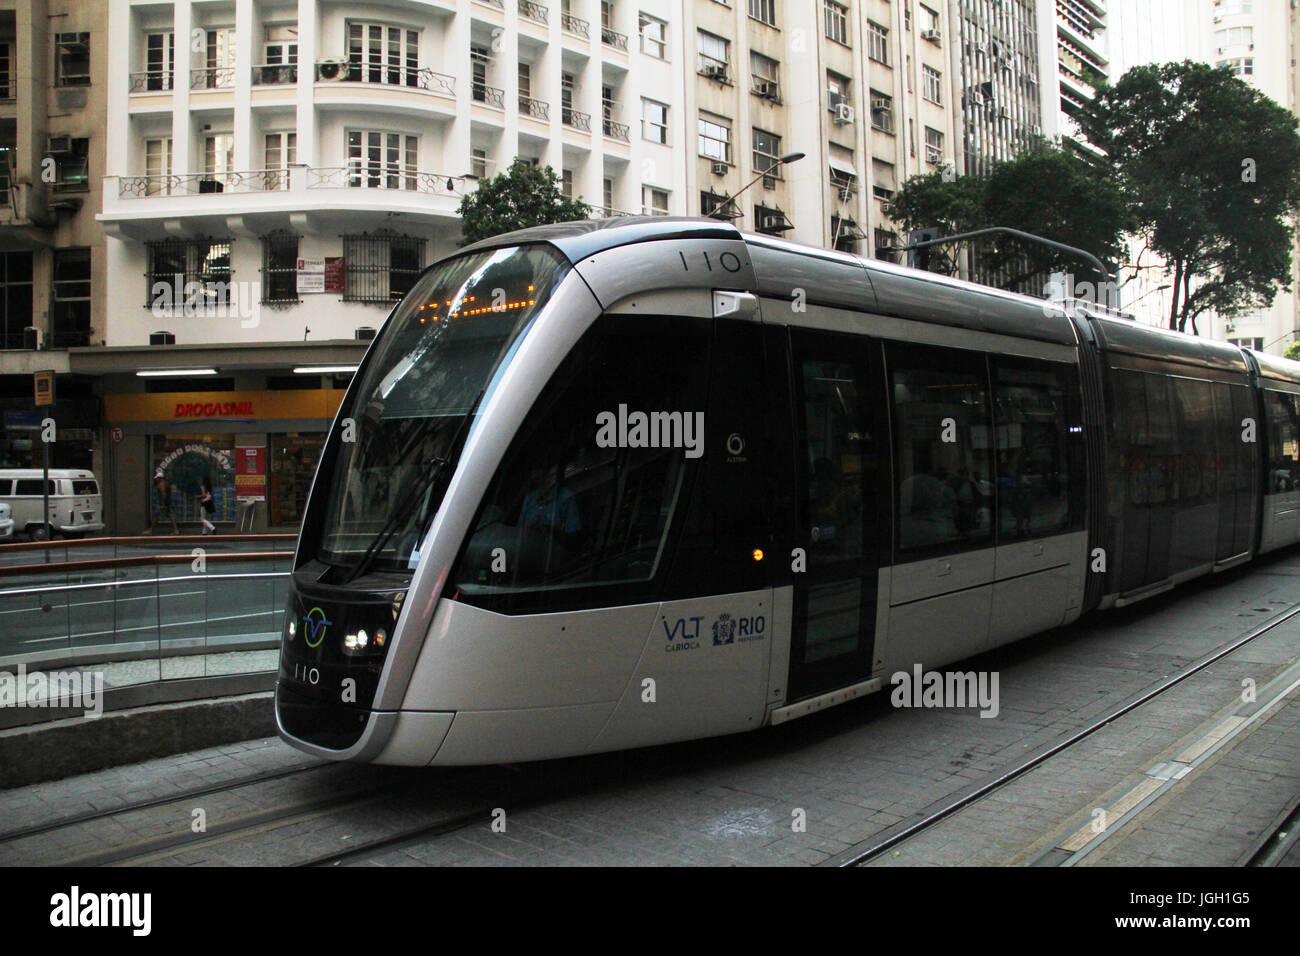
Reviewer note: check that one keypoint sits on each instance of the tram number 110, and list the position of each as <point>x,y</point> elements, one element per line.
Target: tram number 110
<point>728,261</point>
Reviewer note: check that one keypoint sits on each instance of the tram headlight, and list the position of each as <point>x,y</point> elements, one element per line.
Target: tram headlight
<point>290,628</point>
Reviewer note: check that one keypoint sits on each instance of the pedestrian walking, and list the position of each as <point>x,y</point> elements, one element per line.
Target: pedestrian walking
<point>162,510</point>
<point>207,507</point>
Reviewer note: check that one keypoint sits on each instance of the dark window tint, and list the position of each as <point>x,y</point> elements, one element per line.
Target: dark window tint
<point>31,486</point>
<point>581,509</point>
<point>1037,457</point>
<point>1283,454</point>
<point>85,487</point>
<point>942,449</point>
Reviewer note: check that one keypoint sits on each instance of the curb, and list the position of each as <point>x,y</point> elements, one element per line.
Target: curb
<point>76,745</point>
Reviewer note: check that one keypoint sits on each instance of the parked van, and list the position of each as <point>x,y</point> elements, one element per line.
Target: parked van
<point>76,507</point>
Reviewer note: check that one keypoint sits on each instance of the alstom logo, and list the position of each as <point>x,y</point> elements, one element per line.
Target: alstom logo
<point>314,625</point>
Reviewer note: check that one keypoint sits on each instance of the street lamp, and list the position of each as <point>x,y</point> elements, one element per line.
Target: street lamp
<point>787,158</point>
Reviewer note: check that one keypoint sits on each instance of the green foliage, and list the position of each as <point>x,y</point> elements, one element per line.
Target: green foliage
<point>1210,168</point>
<point>1046,190</point>
<point>522,196</point>
<point>1292,351</point>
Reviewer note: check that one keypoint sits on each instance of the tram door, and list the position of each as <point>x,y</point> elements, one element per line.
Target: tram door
<point>840,442</point>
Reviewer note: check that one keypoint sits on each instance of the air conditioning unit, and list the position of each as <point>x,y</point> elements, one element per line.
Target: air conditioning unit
<point>880,102</point>
<point>720,169</point>
<point>715,71</point>
<point>162,338</point>
<point>843,114</point>
<point>769,182</point>
<point>332,69</point>
<point>931,35</point>
<point>766,89</point>
<point>933,156</point>
<point>364,334</point>
<point>845,193</point>
<point>773,222</point>
<point>59,145</point>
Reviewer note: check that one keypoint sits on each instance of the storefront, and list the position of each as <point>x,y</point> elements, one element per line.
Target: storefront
<point>255,450</point>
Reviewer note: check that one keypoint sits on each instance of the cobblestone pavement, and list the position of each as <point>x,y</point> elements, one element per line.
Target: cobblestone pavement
<point>809,791</point>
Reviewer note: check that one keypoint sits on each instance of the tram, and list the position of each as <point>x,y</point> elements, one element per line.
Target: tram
<point>611,484</point>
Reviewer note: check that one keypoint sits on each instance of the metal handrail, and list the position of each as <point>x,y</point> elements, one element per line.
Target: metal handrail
<point>575,25</point>
<point>612,38</point>
<point>137,561</point>
<point>617,130</point>
<point>140,81</point>
<point>491,95</point>
<point>213,78</point>
<point>142,539</point>
<point>537,109</point>
<point>533,11</point>
<point>576,119</point>
<point>153,582</point>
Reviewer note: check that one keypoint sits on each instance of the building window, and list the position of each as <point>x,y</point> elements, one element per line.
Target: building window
<point>70,298</point>
<point>566,183</point>
<point>280,267</point>
<point>158,167</point>
<point>281,47</point>
<point>1234,36</point>
<point>378,53</point>
<point>72,59</point>
<point>933,146</point>
<point>71,169</point>
<point>767,149</point>
<point>219,72</point>
<point>380,267</point>
<point>711,202</point>
<point>877,42</point>
<point>713,54</point>
<point>607,193</point>
<point>15,296</point>
<point>765,75</point>
<point>764,11</point>
<point>654,202</point>
<point>1239,67</point>
<point>837,22</point>
<point>845,234</point>
<point>884,179</point>
<point>769,221</point>
<point>1229,8</point>
<point>219,153</point>
<point>654,121</point>
<point>382,160</point>
<point>838,89</point>
<point>186,274</point>
<point>932,85</point>
<point>1256,344</point>
<point>478,162</point>
<point>715,137</point>
<point>843,174</point>
<point>281,152</point>
<point>654,37</point>
<point>160,60</point>
<point>929,20</point>
<point>882,111</point>
<point>884,241</point>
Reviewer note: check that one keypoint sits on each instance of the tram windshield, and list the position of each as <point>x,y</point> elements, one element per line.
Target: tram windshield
<point>411,408</point>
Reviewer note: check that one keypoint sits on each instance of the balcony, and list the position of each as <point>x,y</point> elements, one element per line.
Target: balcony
<point>575,119</point>
<point>213,78</point>
<point>489,95</point>
<point>353,176</point>
<point>499,4</point>
<point>534,11</point>
<point>616,130</point>
<point>575,25</point>
<point>404,77</point>
<point>537,109</point>
<point>610,38</point>
<point>275,74</point>
<point>152,81</point>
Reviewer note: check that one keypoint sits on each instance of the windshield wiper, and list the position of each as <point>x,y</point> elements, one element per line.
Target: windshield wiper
<point>423,481</point>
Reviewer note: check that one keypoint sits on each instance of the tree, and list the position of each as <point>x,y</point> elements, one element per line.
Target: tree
<point>1292,351</point>
<point>1045,190</point>
<point>524,195</point>
<point>1210,168</point>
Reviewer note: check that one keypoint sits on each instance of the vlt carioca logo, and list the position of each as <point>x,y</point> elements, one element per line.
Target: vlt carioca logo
<point>315,625</point>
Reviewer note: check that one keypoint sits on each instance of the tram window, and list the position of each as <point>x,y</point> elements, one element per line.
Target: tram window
<point>943,454</point>
<point>836,435</point>
<point>1283,457</point>
<point>1032,407</point>
<point>568,510</point>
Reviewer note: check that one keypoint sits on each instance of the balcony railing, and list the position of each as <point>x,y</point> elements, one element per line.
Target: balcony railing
<point>610,38</point>
<point>6,165</point>
<point>537,109</point>
<point>213,78</point>
<point>491,95</point>
<point>275,74</point>
<point>576,119</point>
<point>499,4</point>
<point>616,130</point>
<point>575,25</point>
<point>152,81</point>
<point>533,11</point>
<point>380,75</point>
<point>355,175</point>
<point>607,212</point>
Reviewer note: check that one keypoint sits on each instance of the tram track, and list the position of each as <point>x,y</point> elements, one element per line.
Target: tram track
<point>877,846</point>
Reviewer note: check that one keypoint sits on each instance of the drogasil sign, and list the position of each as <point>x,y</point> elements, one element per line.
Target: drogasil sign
<point>189,410</point>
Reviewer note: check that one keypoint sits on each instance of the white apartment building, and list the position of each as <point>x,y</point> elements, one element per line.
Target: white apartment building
<point>251,133</point>
<point>1073,37</point>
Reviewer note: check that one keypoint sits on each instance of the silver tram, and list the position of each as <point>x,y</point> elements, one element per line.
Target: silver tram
<point>604,485</point>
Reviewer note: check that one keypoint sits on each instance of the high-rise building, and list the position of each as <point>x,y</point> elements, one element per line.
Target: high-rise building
<point>1077,29</point>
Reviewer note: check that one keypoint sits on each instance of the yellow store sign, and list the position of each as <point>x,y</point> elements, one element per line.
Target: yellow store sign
<point>200,407</point>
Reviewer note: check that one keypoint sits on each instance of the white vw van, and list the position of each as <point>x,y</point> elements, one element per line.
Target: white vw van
<point>76,507</point>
